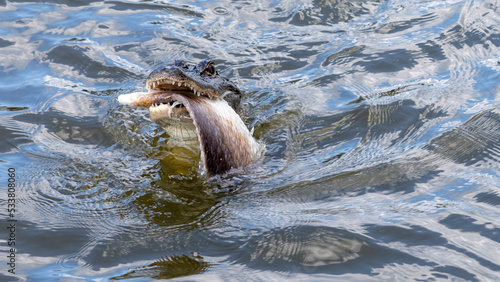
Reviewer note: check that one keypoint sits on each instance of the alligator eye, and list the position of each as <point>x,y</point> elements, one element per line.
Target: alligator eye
<point>210,69</point>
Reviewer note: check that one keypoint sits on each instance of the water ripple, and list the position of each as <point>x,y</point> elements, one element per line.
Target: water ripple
<point>380,120</point>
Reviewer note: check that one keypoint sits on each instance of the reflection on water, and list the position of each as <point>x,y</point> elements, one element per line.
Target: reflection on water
<point>167,268</point>
<point>380,120</point>
<point>300,248</point>
<point>473,143</point>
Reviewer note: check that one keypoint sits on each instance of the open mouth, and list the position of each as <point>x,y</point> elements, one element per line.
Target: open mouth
<point>168,107</point>
<point>178,86</point>
<point>165,104</point>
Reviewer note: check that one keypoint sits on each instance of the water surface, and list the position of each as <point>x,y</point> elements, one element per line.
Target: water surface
<point>381,122</point>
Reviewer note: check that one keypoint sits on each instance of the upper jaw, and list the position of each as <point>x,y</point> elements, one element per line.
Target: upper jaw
<point>177,85</point>
<point>201,80</point>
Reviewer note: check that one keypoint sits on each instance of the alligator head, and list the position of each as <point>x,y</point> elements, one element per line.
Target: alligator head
<point>195,102</point>
<point>202,80</point>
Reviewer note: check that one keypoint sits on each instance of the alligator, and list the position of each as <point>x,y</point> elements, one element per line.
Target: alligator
<point>195,102</point>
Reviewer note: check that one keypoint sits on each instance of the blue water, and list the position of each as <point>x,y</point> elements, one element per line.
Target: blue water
<point>381,122</point>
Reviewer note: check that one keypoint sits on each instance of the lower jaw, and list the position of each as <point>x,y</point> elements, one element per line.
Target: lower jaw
<point>179,130</point>
<point>177,127</point>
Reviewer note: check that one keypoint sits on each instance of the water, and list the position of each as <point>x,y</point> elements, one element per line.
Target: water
<point>381,122</point>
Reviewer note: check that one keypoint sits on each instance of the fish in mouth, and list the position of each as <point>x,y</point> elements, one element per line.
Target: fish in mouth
<point>195,102</point>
